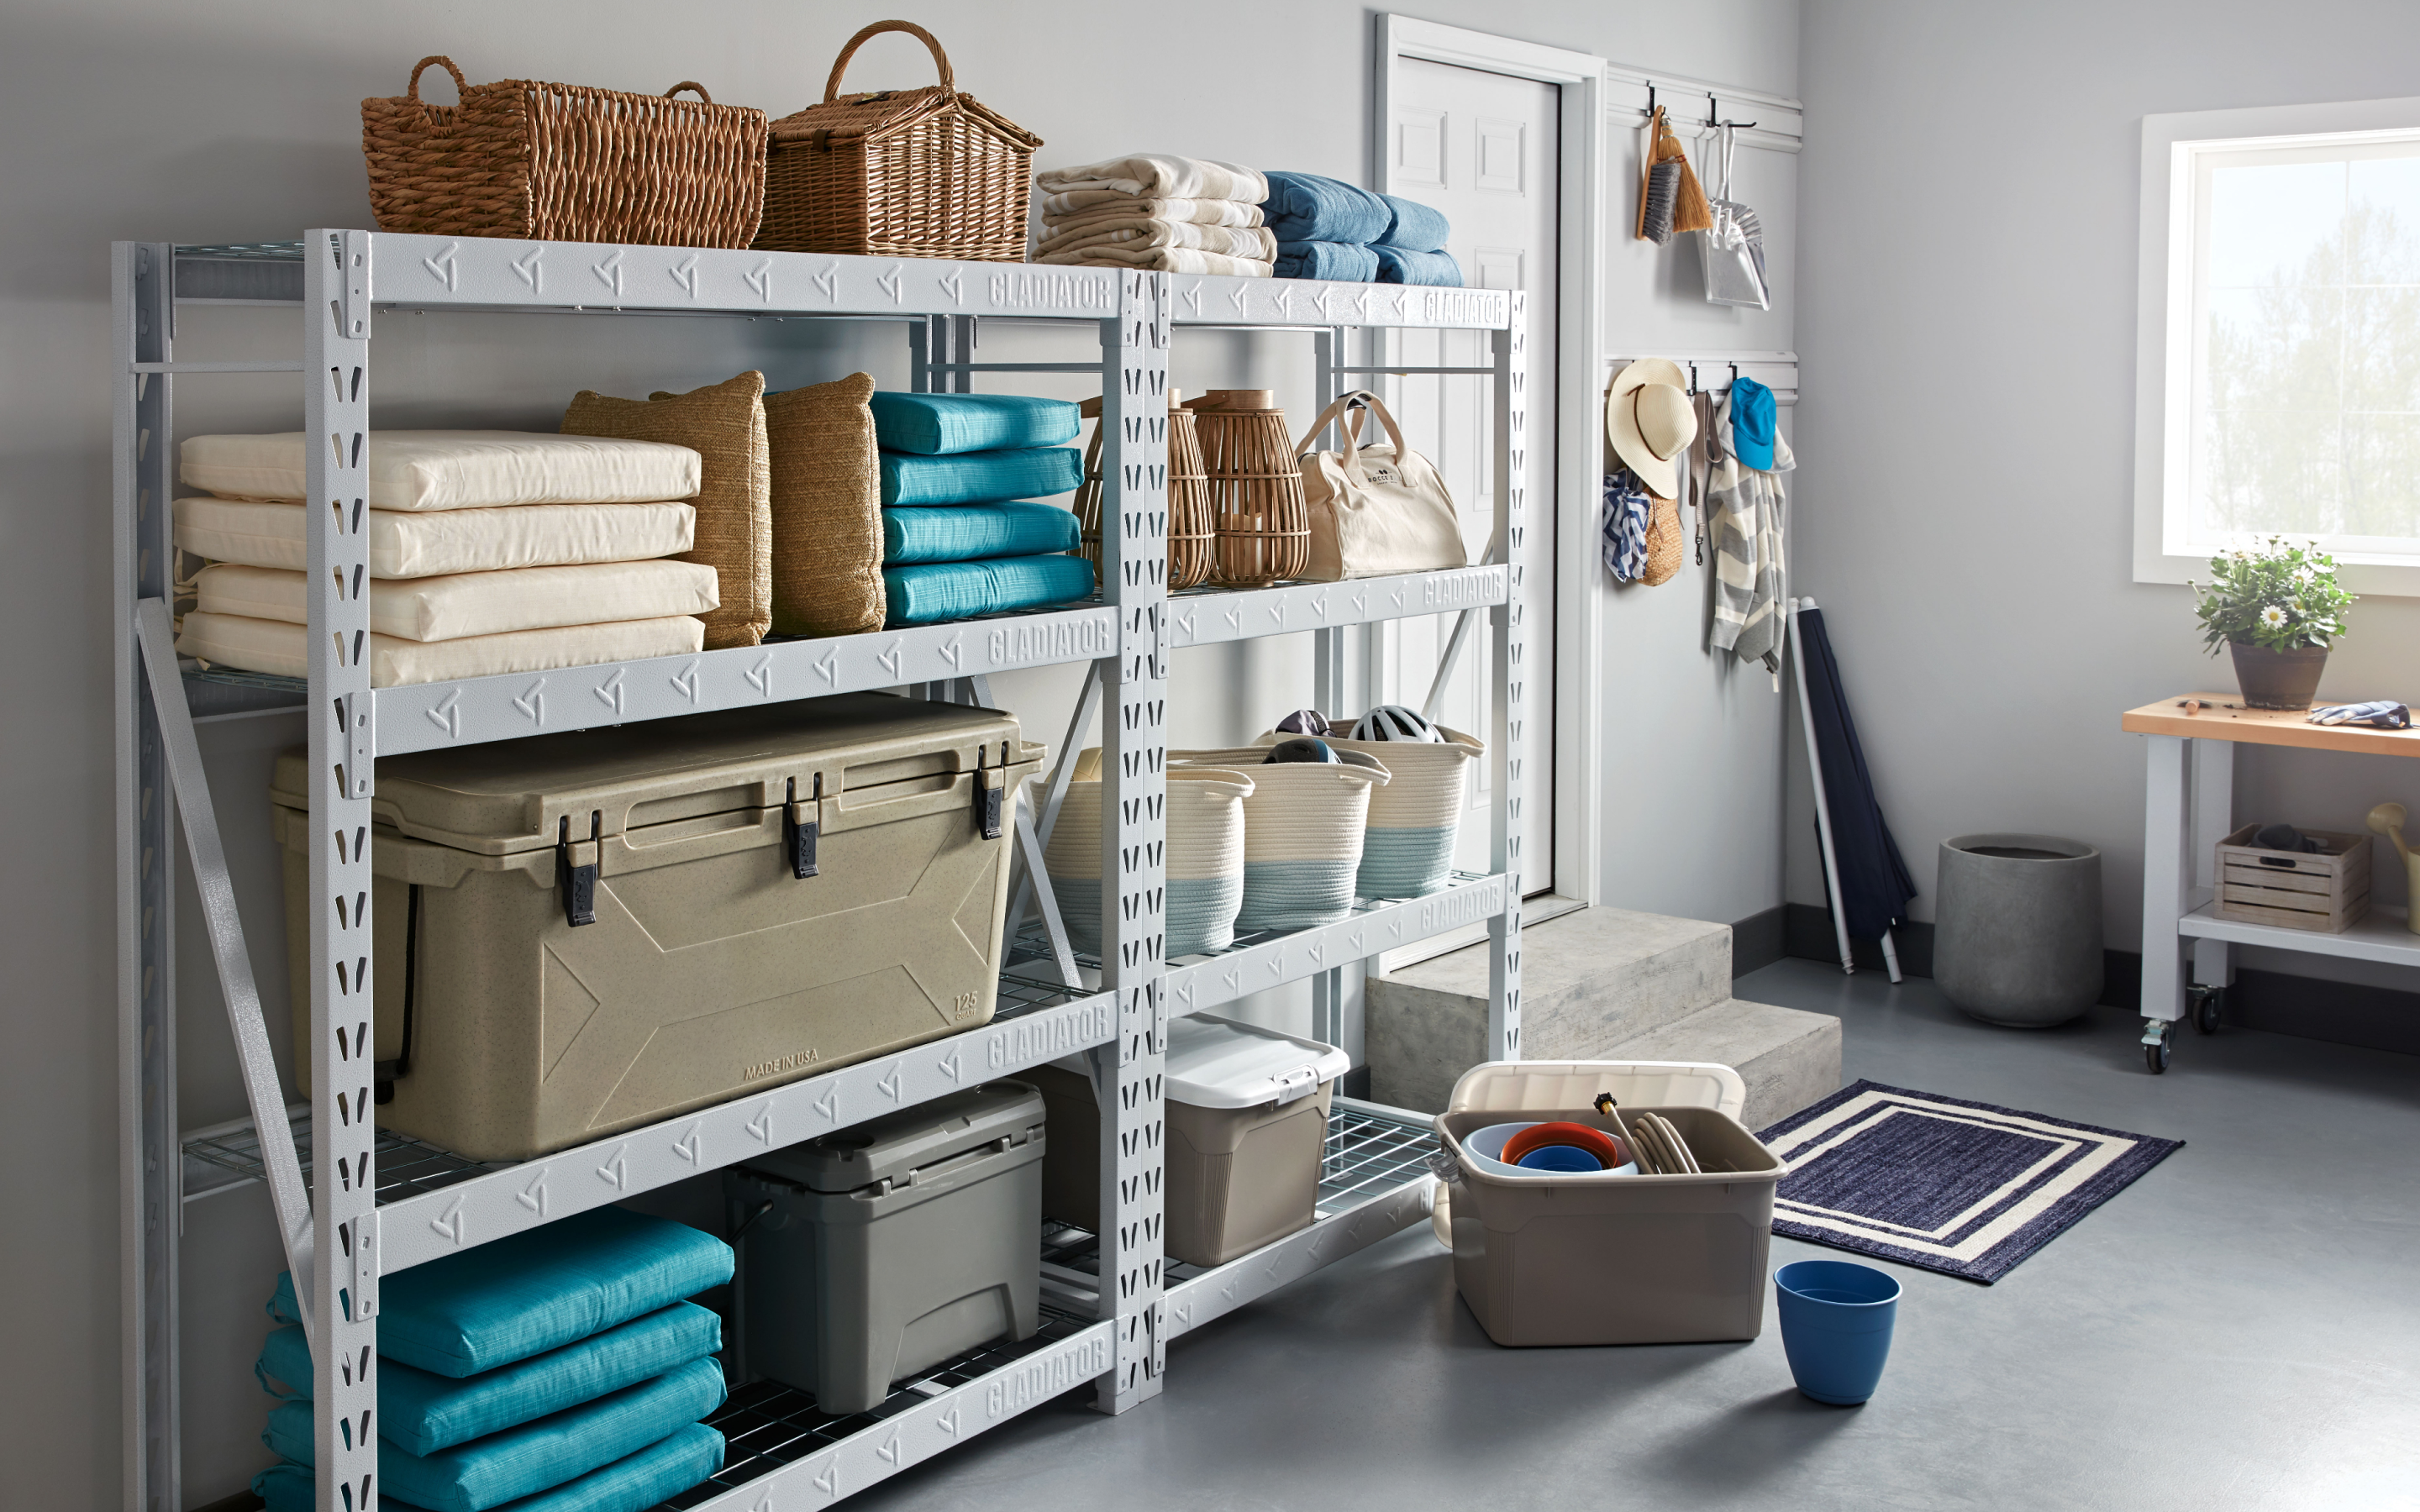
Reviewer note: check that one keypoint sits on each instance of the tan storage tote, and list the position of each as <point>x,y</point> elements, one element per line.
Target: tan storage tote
<point>773,892</point>
<point>1246,1128</point>
<point>1603,1259</point>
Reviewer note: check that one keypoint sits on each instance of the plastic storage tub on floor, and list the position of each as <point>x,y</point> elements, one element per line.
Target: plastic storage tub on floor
<point>581,933</point>
<point>1246,1124</point>
<point>888,1249</point>
<point>1604,1257</point>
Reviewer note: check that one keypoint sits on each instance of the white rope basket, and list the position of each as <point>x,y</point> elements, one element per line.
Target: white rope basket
<point>1303,826</point>
<point>1204,858</point>
<point>1415,818</point>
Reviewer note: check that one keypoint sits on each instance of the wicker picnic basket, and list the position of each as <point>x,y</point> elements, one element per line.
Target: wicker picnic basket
<point>1189,498</point>
<point>563,163</point>
<point>906,173</point>
<point>1256,503</point>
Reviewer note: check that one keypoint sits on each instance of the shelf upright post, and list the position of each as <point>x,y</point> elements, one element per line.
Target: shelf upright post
<point>1511,353</point>
<point>1134,553</point>
<point>142,453</point>
<point>342,1288</point>
<point>1328,667</point>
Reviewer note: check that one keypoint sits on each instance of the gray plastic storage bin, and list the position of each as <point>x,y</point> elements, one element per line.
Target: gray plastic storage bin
<point>584,932</point>
<point>1247,1123</point>
<point>888,1249</point>
<point>1603,1259</point>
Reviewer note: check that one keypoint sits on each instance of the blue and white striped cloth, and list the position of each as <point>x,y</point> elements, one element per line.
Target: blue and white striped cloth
<point>1624,525</point>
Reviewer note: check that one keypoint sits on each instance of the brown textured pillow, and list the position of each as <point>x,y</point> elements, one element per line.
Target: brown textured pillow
<point>827,509</point>
<point>725,425</point>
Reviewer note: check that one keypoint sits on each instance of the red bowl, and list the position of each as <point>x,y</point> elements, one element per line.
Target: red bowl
<point>1579,1136</point>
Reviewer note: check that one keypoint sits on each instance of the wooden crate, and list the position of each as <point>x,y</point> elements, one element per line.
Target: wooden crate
<point>2327,891</point>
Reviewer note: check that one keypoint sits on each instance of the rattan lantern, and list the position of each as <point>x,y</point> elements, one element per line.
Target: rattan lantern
<point>1189,498</point>
<point>1257,514</point>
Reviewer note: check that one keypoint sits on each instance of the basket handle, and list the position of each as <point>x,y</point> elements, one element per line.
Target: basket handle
<point>412,91</point>
<point>840,64</point>
<point>690,84</point>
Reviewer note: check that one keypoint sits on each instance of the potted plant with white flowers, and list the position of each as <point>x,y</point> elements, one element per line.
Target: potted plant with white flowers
<point>2276,606</point>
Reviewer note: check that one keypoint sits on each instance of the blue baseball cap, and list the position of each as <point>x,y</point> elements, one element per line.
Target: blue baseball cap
<point>1752,423</point>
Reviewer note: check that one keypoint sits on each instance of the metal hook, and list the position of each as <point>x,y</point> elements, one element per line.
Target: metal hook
<point>1711,112</point>
<point>1692,377</point>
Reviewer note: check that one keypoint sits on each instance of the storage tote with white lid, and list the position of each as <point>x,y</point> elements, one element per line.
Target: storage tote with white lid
<point>1246,1124</point>
<point>1604,1257</point>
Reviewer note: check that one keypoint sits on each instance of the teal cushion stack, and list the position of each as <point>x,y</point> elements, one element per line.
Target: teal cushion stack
<point>557,1371</point>
<point>961,533</point>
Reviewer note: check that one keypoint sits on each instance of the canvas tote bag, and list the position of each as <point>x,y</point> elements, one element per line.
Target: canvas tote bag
<point>1377,509</point>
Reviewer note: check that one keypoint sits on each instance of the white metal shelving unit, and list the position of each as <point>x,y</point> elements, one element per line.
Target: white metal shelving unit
<point>395,1202</point>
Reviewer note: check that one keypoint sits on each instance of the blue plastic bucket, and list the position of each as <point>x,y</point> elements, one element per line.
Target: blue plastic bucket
<point>1836,1326</point>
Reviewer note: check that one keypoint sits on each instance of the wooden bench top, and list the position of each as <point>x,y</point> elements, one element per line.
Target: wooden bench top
<point>2223,716</point>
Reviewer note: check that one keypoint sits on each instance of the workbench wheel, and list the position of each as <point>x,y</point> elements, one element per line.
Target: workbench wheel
<point>2206,1012</point>
<point>2155,1058</point>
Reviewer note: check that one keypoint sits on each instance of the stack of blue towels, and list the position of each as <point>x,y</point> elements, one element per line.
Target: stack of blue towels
<point>1327,228</point>
<point>558,1370</point>
<point>961,534</point>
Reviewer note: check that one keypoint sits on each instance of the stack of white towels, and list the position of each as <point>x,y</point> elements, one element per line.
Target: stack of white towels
<point>489,551</point>
<point>1155,211</point>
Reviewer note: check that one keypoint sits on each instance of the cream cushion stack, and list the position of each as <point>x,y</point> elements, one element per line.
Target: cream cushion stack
<point>490,551</point>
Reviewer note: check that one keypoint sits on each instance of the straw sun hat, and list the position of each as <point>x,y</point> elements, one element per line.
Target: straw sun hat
<point>1650,423</point>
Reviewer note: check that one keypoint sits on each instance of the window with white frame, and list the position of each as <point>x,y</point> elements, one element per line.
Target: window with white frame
<point>2281,337</point>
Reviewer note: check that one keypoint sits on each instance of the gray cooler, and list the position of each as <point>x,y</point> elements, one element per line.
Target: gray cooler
<point>884,1249</point>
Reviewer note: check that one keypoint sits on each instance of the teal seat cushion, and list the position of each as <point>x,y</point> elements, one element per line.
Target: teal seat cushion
<point>975,533</point>
<point>535,1291</point>
<point>980,477</point>
<point>423,1412</point>
<point>943,424</point>
<point>632,1484</point>
<point>940,591</point>
<point>536,1456</point>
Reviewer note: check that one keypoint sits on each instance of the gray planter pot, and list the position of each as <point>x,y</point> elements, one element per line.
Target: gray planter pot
<point>2017,928</point>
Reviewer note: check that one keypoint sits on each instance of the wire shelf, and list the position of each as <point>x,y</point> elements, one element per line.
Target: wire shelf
<point>1031,945</point>
<point>766,1424</point>
<point>226,1156</point>
<point>222,1159</point>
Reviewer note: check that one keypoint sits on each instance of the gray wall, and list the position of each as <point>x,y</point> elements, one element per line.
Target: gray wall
<point>1693,739</point>
<point>1967,321</point>
<point>139,119</point>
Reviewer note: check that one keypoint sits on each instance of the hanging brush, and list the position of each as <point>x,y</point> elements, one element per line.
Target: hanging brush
<point>1670,196</point>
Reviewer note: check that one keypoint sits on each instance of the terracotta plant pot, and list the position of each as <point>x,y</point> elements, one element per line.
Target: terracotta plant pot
<point>2278,679</point>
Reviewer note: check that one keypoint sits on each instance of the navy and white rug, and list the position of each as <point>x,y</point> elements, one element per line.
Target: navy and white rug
<point>1963,1188</point>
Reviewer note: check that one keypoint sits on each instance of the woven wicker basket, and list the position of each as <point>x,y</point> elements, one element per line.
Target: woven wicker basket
<point>1407,851</point>
<point>906,173</point>
<point>563,163</point>
<point>1256,505</point>
<point>1189,498</point>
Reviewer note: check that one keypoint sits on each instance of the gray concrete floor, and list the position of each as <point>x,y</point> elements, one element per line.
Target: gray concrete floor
<point>2240,1328</point>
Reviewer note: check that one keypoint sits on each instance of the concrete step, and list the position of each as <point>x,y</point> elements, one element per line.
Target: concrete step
<point>1787,1057</point>
<point>1589,980</point>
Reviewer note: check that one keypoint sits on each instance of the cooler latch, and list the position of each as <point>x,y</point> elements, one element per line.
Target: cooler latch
<point>575,868</point>
<point>1296,1084</point>
<point>799,828</point>
<point>990,787</point>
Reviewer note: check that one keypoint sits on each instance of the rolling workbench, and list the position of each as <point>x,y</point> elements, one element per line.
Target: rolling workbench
<point>2188,809</point>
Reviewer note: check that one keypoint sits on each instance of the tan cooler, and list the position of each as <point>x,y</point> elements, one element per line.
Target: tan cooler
<point>1247,1125</point>
<point>1607,1258</point>
<point>581,933</point>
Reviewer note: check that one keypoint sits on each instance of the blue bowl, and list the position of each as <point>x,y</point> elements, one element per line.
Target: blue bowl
<point>1836,1326</point>
<point>1559,1158</point>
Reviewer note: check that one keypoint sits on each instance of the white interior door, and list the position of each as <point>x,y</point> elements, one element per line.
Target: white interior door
<point>1485,149</point>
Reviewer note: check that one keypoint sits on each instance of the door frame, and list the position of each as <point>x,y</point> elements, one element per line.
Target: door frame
<point>1579,344</point>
